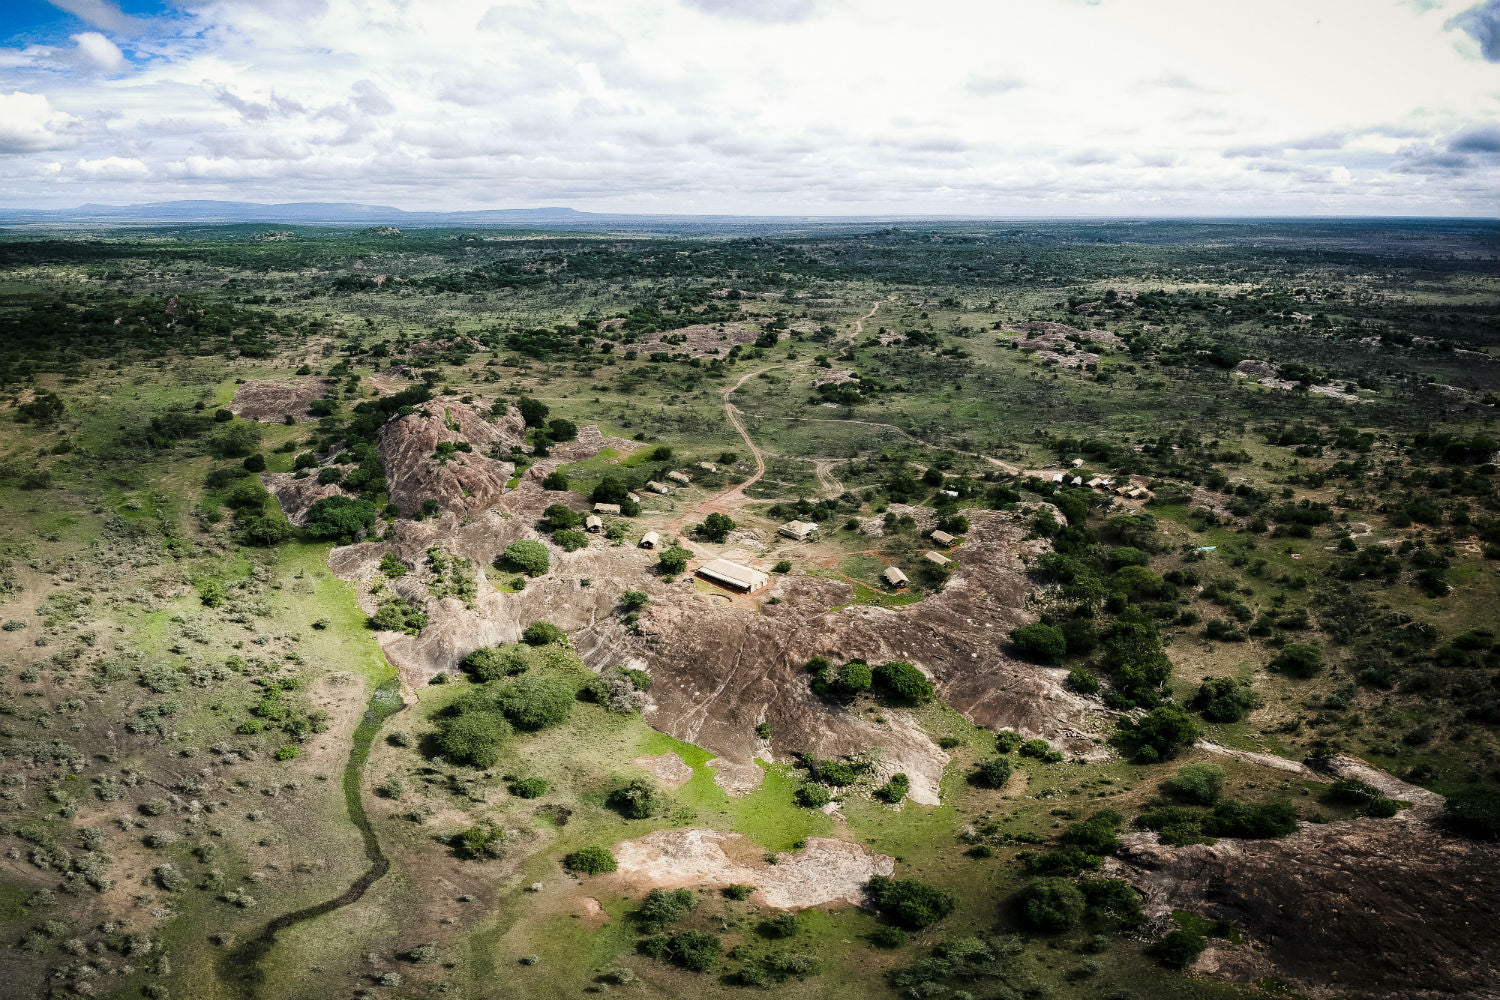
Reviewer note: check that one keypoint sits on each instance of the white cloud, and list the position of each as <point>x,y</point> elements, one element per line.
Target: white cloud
<point>101,53</point>
<point>101,14</point>
<point>112,168</point>
<point>28,124</point>
<point>788,106</point>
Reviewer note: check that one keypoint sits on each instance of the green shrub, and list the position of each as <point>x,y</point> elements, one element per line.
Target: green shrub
<point>634,600</point>
<point>485,840</point>
<point>886,936</point>
<point>1178,949</point>
<point>910,903</point>
<point>590,861</point>
<point>1112,903</point>
<point>570,540</point>
<point>1052,905</point>
<point>255,463</point>
<point>697,951</point>
<point>661,907</point>
<point>1224,699</point>
<point>716,527</point>
<point>841,683</point>
<point>556,481</point>
<point>1083,681</point>
<point>1369,800</point>
<point>344,519</point>
<point>396,615</point>
<point>814,796</point>
<point>1165,730</point>
<point>558,517</point>
<point>1474,812</point>
<point>526,556</point>
<point>902,682</point>
<point>674,560</point>
<point>529,788</point>
<point>637,799</point>
<point>1197,783</point>
<point>894,790</point>
<point>535,702</point>
<point>473,737</point>
<point>392,567</point>
<point>1257,820</point>
<point>1040,750</point>
<point>1298,659</point>
<point>489,663</point>
<point>1039,642</point>
<point>738,891</point>
<point>992,773</point>
<point>1007,741</point>
<point>544,634</point>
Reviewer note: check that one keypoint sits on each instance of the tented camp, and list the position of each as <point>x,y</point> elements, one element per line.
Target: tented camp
<point>798,530</point>
<point>606,508</point>
<point>894,578</point>
<point>679,477</point>
<point>656,487</point>
<point>942,538</point>
<point>593,523</point>
<point>733,575</point>
<point>936,558</point>
<point>649,540</point>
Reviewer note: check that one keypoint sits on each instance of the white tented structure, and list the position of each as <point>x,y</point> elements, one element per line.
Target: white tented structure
<point>649,540</point>
<point>733,575</point>
<point>799,531</point>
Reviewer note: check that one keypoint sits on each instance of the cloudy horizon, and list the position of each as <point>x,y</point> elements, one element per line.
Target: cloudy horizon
<point>759,107</point>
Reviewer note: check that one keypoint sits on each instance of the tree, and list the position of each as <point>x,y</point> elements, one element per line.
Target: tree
<point>674,560</point>
<point>527,556</point>
<point>716,527</point>
<point>1298,659</point>
<point>634,600</point>
<point>1051,905</point>
<point>556,481</point>
<point>484,840</point>
<point>910,903</point>
<point>340,517</point>
<point>562,430</point>
<point>558,517</point>
<point>1040,642</point>
<point>571,540</point>
<point>901,681</point>
<point>610,489</point>
<point>533,411</point>
<point>255,463</point>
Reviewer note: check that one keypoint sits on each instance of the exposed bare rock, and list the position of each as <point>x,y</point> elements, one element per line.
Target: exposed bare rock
<point>1251,368</point>
<point>669,770</point>
<point>463,482</point>
<point>720,664</point>
<point>270,401</point>
<point>295,495</point>
<point>825,871</point>
<point>1362,907</point>
<point>1060,344</point>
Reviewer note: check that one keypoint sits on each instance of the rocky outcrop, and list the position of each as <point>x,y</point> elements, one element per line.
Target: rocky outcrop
<point>465,483</point>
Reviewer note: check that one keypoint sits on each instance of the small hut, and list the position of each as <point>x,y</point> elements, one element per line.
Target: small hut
<point>649,540</point>
<point>894,578</point>
<point>593,523</point>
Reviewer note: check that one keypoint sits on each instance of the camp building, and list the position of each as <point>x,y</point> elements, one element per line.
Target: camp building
<point>936,558</point>
<point>593,523</point>
<point>894,577</point>
<point>733,575</point>
<point>799,531</point>
<point>606,508</point>
<point>941,537</point>
<point>680,477</point>
<point>649,540</point>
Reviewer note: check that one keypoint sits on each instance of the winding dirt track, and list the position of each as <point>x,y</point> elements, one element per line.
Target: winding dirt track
<point>726,501</point>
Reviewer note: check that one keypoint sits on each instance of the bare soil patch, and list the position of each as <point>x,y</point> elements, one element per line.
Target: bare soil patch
<point>669,770</point>
<point>825,872</point>
<point>270,401</point>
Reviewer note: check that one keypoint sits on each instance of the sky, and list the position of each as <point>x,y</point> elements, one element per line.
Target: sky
<point>998,108</point>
